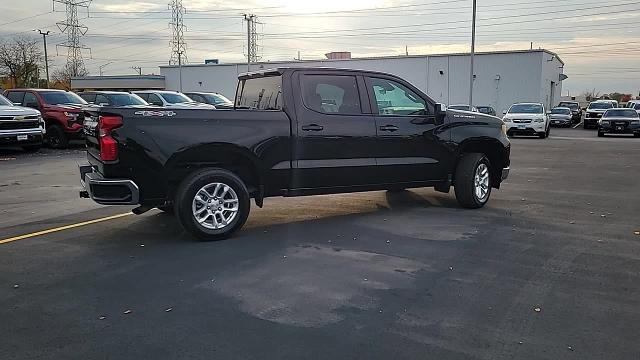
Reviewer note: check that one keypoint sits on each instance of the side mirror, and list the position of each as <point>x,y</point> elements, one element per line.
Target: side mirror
<point>441,109</point>
<point>504,112</point>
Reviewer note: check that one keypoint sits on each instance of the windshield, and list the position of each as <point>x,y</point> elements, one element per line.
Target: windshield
<point>561,111</point>
<point>126,99</point>
<point>216,99</point>
<point>622,113</point>
<point>600,105</point>
<point>526,109</point>
<point>572,106</point>
<point>4,101</point>
<point>175,98</point>
<point>60,98</point>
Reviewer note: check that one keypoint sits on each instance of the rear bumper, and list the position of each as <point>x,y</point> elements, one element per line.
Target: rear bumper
<point>107,191</point>
<point>616,129</point>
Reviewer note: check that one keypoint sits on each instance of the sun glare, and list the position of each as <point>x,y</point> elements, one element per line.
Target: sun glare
<point>329,5</point>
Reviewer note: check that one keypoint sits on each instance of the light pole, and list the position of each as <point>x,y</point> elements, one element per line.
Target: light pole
<point>46,55</point>
<point>473,53</point>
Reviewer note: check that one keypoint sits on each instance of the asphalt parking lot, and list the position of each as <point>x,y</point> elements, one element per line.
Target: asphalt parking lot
<point>550,269</point>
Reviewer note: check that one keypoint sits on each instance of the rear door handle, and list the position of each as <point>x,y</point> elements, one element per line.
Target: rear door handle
<point>312,127</point>
<point>391,128</point>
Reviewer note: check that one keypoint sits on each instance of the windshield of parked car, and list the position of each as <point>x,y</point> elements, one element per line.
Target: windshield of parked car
<point>572,106</point>
<point>61,97</point>
<point>4,101</point>
<point>217,99</point>
<point>558,111</point>
<point>176,98</point>
<point>620,113</point>
<point>126,100</point>
<point>526,109</point>
<point>600,105</point>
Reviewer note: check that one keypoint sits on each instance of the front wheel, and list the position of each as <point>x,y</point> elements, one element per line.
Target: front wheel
<point>473,181</point>
<point>212,204</point>
<point>56,137</point>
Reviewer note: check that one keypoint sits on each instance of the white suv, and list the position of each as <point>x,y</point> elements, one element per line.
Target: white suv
<point>527,119</point>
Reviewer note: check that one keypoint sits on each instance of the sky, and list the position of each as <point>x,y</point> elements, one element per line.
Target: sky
<point>597,40</point>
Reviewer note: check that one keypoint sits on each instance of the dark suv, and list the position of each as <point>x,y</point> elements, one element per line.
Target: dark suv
<point>60,110</point>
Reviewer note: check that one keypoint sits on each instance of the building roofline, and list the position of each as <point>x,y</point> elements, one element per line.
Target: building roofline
<point>378,58</point>
<point>120,77</point>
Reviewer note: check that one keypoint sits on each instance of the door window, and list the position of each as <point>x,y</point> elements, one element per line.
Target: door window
<point>198,98</point>
<point>394,98</point>
<point>30,100</point>
<point>329,94</point>
<point>15,97</point>
<point>155,100</point>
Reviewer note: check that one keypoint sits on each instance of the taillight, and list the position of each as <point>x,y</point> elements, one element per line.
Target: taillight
<point>108,145</point>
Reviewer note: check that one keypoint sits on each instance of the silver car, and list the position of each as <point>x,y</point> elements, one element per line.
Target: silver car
<point>561,116</point>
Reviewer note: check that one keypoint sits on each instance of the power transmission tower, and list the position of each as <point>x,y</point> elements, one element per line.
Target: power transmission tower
<point>74,30</point>
<point>178,44</point>
<point>252,40</point>
<point>138,69</point>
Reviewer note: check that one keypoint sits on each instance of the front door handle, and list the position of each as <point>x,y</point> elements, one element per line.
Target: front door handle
<point>391,128</point>
<point>313,127</point>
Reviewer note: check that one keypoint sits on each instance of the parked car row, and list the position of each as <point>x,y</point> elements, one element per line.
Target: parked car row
<point>59,112</point>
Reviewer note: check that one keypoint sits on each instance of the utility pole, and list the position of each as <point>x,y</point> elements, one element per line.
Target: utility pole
<point>298,58</point>
<point>406,50</point>
<point>46,55</point>
<point>473,52</point>
<point>252,40</point>
<point>178,43</point>
<point>138,69</point>
<point>104,66</point>
<point>74,30</point>
<point>180,69</point>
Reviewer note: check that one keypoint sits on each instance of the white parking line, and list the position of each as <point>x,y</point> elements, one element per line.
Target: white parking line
<point>580,123</point>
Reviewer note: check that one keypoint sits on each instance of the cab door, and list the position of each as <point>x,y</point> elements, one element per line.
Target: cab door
<point>411,140</point>
<point>335,132</point>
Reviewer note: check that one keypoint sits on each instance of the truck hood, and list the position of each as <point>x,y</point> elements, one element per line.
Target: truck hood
<point>17,111</point>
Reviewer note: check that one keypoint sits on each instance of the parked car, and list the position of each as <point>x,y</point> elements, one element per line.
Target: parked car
<point>576,110</point>
<point>215,99</point>
<point>293,132</point>
<point>636,107</point>
<point>595,110</point>
<point>561,116</point>
<point>60,110</point>
<point>20,126</point>
<point>527,119</point>
<point>619,121</point>
<point>116,98</point>
<point>486,110</point>
<point>170,99</point>
<point>463,107</point>
<point>632,103</point>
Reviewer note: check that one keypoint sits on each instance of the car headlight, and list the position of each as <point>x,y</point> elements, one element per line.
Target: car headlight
<point>635,122</point>
<point>506,120</point>
<point>538,120</point>
<point>604,122</point>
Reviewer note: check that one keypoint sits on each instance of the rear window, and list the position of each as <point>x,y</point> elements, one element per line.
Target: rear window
<point>620,113</point>
<point>264,93</point>
<point>126,99</point>
<point>331,94</point>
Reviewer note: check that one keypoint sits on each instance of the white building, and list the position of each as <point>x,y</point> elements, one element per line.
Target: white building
<point>501,78</point>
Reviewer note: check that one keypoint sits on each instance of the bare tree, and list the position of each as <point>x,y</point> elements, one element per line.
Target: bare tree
<point>591,94</point>
<point>62,76</point>
<point>19,61</point>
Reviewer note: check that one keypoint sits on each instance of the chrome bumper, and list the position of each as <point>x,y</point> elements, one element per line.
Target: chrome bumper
<point>107,191</point>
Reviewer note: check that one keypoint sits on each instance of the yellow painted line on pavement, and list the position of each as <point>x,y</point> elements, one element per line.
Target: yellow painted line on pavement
<point>62,228</point>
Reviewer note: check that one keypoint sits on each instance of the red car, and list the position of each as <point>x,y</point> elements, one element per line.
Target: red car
<point>60,110</point>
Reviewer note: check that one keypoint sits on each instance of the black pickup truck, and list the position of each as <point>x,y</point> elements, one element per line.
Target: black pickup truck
<point>292,132</point>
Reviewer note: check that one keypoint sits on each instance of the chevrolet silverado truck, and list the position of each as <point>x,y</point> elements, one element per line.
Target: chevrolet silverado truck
<point>292,132</point>
<point>21,127</point>
<point>60,110</point>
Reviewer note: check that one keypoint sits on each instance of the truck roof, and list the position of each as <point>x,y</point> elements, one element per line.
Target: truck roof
<point>282,70</point>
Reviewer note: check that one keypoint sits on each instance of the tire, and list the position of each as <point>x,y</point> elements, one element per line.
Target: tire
<point>56,138</point>
<point>465,181</point>
<point>542,135</point>
<point>211,186</point>
<point>32,148</point>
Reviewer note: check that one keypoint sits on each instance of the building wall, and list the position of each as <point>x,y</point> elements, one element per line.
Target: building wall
<point>551,70</point>
<point>501,78</point>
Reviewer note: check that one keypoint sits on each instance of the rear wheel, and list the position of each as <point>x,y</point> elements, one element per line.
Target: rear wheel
<point>473,181</point>
<point>56,138</point>
<point>212,204</point>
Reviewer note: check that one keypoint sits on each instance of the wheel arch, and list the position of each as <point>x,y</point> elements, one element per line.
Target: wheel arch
<point>234,158</point>
<point>493,149</point>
